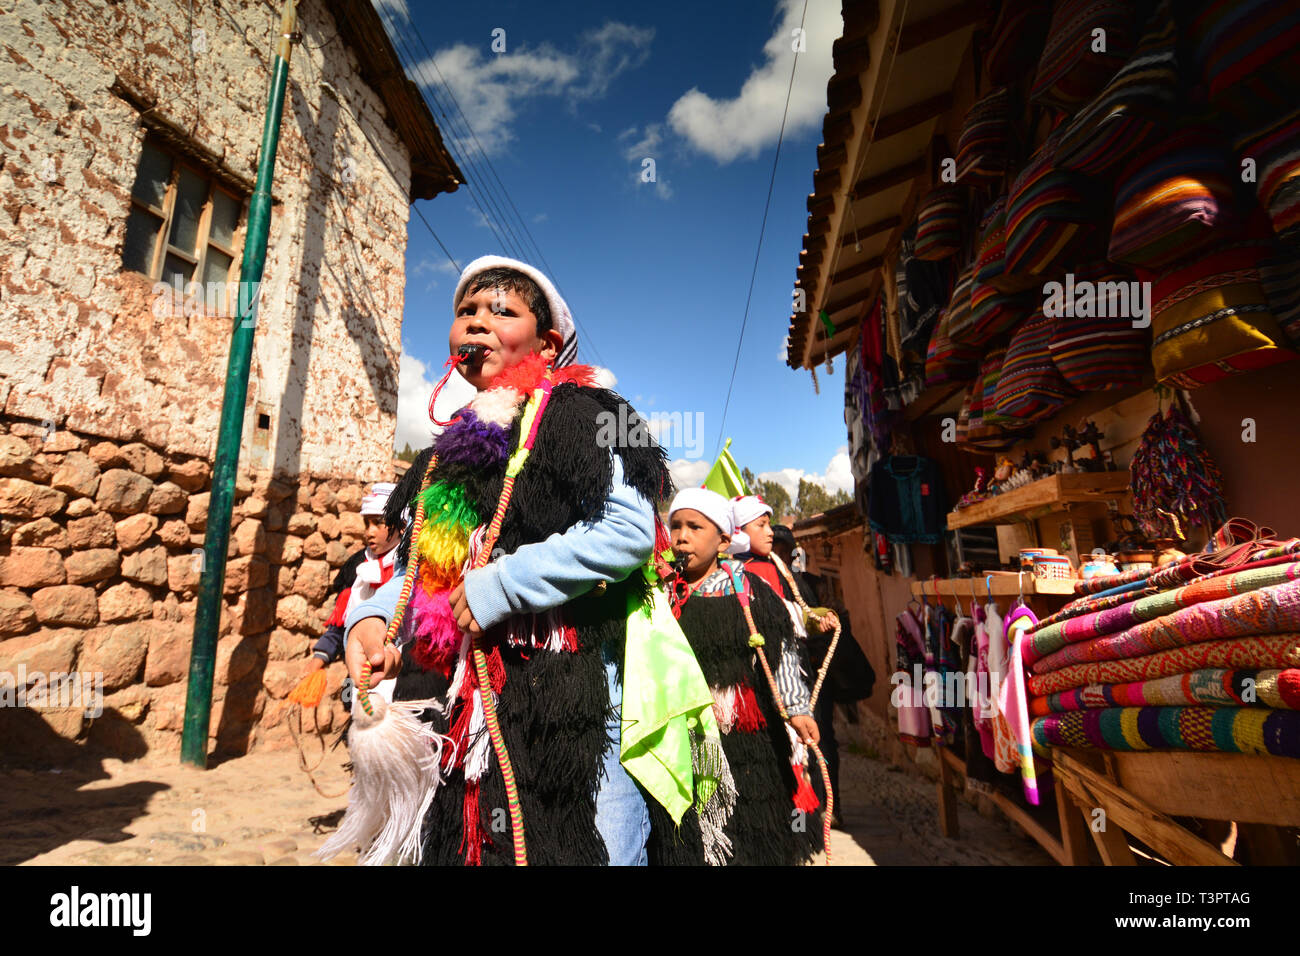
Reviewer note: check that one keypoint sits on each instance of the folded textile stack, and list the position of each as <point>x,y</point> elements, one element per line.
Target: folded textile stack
<point>1202,654</point>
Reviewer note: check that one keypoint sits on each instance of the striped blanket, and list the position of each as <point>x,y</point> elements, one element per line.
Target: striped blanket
<point>1210,686</point>
<point>1047,640</point>
<point>1223,729</point>
<point>1275,650</point>
<point>1270,610</point>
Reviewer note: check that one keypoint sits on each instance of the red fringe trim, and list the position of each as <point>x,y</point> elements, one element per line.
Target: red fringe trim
<point>748,716</point>
<point>805,798</point>
<point>471,844</point>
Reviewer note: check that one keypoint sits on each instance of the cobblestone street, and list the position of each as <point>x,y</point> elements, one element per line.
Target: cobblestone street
<point>262,809</point>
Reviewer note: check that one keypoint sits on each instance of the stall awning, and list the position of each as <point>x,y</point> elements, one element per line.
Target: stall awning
<point>895,68</point>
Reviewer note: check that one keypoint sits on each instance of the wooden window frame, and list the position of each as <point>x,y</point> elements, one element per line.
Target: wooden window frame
<point>203,239</point>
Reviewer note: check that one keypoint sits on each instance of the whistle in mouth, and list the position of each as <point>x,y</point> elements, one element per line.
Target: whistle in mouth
<point>471,354</point>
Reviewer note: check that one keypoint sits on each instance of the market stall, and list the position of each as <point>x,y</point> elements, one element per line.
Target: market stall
<point>1069,307</point>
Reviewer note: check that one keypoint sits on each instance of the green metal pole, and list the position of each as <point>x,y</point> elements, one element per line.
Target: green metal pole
<point>198,698</point>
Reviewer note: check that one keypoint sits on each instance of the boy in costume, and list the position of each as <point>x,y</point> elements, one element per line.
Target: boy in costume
<point>764,827</point>
<point>549,611</point>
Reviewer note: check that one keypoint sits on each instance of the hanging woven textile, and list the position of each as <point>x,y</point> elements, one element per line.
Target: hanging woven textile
<point>1175,480</point>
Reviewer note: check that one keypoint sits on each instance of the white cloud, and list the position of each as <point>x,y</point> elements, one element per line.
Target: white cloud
<point>727,129</point>
<point>649,146</point>
<point>837,476</point>
<point>687,473</point>
<point>414,389</point>
<point>784,354</point>
<point>491,88</point>
<point>433,268</point>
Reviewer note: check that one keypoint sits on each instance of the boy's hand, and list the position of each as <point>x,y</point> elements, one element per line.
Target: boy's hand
<point>367,642</point>
<point>806,728</point>
<point>829,622</point>
<point>314,664</point>
<point>461,612</point>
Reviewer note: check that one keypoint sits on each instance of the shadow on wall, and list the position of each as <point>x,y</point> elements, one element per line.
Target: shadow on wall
<point>42,775</point>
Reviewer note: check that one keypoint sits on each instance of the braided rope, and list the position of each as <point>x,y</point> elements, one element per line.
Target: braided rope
<point>830,651</point>
<point>756,642</point>
<point>485,689</point>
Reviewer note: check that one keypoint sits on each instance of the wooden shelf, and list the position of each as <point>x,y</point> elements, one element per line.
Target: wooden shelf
<point>1043,497</point>
<point>994,584</point>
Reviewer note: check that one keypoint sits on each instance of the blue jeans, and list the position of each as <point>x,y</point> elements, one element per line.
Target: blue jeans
<point>621,814</point>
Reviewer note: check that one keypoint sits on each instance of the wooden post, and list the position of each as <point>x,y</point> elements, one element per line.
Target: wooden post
<point>1074,831</point>
<point>947,797</point>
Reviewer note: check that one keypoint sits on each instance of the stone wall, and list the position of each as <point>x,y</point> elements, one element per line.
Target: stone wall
<point>100,554</point>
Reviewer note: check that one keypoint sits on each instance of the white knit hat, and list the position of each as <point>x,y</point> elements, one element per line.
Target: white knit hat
<point>746,508</point>
<point>708,503</point>
<point>561,317</point>
<point>375,502</point>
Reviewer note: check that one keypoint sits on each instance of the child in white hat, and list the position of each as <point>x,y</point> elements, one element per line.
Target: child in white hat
<point>755,741</point>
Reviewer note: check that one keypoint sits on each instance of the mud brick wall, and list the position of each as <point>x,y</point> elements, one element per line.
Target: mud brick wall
<point>98,574</point>
<point>109,404</point>
<point>83,342</point>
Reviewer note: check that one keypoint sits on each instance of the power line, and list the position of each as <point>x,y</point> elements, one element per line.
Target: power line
<point>485,184</point>
<point>513,247</point>
<point>761,230</point>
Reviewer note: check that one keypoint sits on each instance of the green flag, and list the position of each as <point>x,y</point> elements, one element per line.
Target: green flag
<point>666,702</point>
<point>724,477</point>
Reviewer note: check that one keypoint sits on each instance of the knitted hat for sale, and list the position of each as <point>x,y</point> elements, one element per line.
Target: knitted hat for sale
<point>375,502</point>
<point>746,508</point>
<point>561,317</point>
<point>708,503</point>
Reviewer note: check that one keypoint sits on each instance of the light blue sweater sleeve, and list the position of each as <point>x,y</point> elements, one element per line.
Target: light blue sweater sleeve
<point>540,576</point>
<point>383,603</point>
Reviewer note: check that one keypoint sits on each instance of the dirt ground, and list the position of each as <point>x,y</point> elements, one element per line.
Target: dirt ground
<point>263,809</point>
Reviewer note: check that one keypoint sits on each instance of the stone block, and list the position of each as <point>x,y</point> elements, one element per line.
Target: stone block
<point>18,461</point>
<point>147,567</point>
<point>192,475</point>
<point>95,564</point>
<point>174,533</point>
<point>67,605</point>
<point>31,568</point>
<point>80,508</point>
<point>123,492</point>
<point>196,512</point>
<point>313,546</point>
<point>245,573</point>
<point>25,499</point>
<point>106,455</point>
<point>143,460</point>
<point>303,523</point>
<point>135,531</point>
<point>125,602</point>
<point>168,657</point>
<point>117,652</point>
<point>78,475</point>
<point>313,581</point>
<point>249,537</point>
<point>352,523</point>
<point>167,498</point>
<point>46,651</point>
<point>17,616</point>
<point>96,531</point>
<point>41,533</point>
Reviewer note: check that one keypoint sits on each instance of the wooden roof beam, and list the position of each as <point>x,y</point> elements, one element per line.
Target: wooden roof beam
<point>889,179</point>
<point>912,116</point>
<point>941,24</point>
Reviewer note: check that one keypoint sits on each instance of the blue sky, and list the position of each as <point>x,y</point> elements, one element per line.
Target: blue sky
<point>656,273</point>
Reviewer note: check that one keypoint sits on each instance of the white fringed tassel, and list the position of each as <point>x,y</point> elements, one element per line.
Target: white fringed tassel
<point>395,773</point>
<point>724,707</point>
<point>709,760</point>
